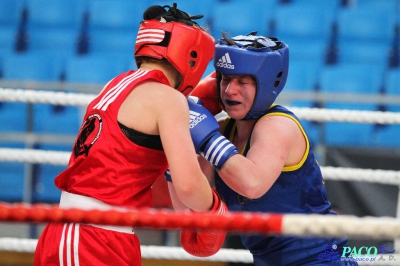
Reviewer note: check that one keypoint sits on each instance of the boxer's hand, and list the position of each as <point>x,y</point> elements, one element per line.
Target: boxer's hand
<point>205,243</point>
<point>207,91</point>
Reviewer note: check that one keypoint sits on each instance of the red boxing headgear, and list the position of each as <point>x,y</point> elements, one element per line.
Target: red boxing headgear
<point>189,49</point>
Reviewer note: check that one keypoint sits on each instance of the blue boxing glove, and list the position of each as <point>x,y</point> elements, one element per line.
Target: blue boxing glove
<point>196,100</point>
<point>207,139</point>
<point>167,175</point>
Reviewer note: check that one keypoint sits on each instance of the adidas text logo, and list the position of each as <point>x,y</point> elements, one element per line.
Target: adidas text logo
<point>225,62</point>
<point>196,118</point>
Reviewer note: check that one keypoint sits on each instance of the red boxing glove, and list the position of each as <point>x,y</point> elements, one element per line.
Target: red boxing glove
<point>207,91</point>
<point>205,243</point>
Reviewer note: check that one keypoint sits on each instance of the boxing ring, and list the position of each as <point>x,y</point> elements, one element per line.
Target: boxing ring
<point>382,228</point>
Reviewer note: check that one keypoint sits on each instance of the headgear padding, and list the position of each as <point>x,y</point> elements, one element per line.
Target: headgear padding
<point>171,36</point>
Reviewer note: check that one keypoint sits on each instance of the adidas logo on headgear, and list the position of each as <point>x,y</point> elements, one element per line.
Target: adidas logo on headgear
<point>225,62</point>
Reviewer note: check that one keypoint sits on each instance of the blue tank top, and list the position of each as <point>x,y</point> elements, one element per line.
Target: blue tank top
<point>298,189</point>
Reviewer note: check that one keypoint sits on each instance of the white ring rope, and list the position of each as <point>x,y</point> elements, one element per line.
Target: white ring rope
<point>312,114</point>
<point>168,253</point>
<point>148,251</point>
<point>353,116</point>
<point>332,173</point>
<point>49,97</point>
<point>305,225</point>
<point>341,225</point>
<point>34,156</point>
<point>388,177</point>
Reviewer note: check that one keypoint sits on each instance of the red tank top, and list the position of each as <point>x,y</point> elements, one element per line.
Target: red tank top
<point>104,163</point>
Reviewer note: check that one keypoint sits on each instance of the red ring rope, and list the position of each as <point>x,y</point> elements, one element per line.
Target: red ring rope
<point>149,218</point>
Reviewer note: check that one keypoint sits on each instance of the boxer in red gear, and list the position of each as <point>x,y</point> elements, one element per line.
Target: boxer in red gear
<point>132,131</point>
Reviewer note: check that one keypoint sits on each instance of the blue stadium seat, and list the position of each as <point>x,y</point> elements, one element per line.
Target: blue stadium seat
<point>113,26</point>
<point>306,28</point>
<point>347,134</point>
<point>13,117</point>
<point>115,14</point>
<point>352,78</point>
<point>11,176</point>
<point>324,5</point>
<point>245,17</point>
<point>365,34</point>
<point>11,12</point>
<point>44,189</point>
<point>31,66</point>
<point>302,49</point>
<point>11,181</point>
<point>7,42</point>
<point>26,67</point>
<point>58,43</point>
<point>365,23</point>
<point>388,135</point>
<point>50,14</point>
<point>53,119</point>
<point>10,19</point>
<point>304,21</point>
<point>53,26</point>
<point>113,43</point>
<point>392,83</point>
<point>388,5</point>
<point>303,75</point>
<point>94,68</point>
<point>364,52</point>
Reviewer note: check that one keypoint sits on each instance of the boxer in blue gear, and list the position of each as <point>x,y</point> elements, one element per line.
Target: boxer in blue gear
<point>275,169</point>
<point>298,189</point>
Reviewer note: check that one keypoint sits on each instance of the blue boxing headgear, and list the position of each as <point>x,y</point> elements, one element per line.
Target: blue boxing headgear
<point>266,59</point>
